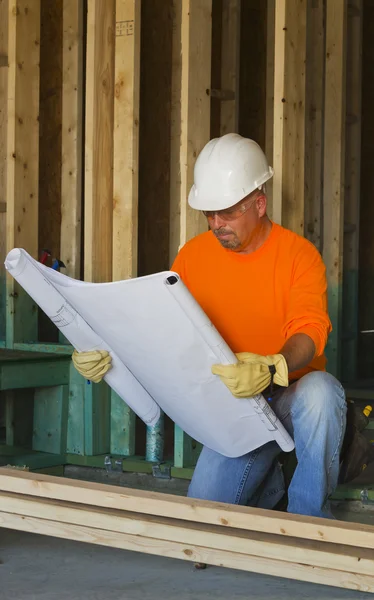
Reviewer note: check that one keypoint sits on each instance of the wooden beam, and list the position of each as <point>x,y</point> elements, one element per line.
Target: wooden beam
<point>352,188</point>
<point>334,159</point>
<point>125,185</point>
<point>217,537</point>
<point>99,140</point>
<point>22,157</point>
<point>314,122</point>
<point>230,65</point>
<point>289,114</point>
<point>201,554</point>
<point>191,75</point>
<point>269,124</point>
<point>187,509</point>
<point>126,139</point>
<point>72,114</point>
<point>278,112</point>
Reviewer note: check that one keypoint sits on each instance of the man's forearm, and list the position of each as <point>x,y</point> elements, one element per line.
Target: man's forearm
<point>298,351</point>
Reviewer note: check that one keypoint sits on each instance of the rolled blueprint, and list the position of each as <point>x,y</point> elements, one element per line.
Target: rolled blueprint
<point>163,346</point>
<point>31,276</point>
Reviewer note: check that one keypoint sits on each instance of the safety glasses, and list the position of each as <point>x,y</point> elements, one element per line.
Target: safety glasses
<point>232,213</point>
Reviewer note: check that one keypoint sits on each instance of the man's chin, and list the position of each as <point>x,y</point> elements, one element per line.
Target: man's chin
<point>228,244</point>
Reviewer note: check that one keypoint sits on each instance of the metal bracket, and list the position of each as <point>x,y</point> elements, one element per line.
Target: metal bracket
<point>161,471</point>
<point>108,464</point>
<point>365,498</point>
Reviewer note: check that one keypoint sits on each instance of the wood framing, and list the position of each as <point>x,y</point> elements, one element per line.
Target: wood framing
<point>126,139</point>
<point>334,169</point>
<point>278,110</point>
<point>230,68</point>
<point>304,548</point>
<point>270,89</point>
<point>22,164</point>
<point>315,78</point>
<point>191,75</point>
<point>125,184</point>
<point>99,140</point>
<point>289,114</point>
<point>72,115</point>
<point>352,188</point>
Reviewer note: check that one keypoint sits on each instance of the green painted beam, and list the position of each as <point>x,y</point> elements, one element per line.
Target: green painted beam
<point>50,419</point>
<point>75,435</point>
<point>129,465</point>
<point>33,373</point>
<point>122,427</point>
<point>96,418</point>
<point>186,450</point>
<point>20,457</point>
<point>2,344</point>
<point>349,492</point>
<point>47,348</point>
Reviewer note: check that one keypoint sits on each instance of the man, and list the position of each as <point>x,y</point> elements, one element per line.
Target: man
<point>264,288</point>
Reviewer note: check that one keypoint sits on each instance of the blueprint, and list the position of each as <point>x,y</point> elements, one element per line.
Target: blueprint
<point>162,346</point>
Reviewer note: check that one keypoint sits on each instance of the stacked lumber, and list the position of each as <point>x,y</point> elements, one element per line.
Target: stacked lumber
<point>291,546</point>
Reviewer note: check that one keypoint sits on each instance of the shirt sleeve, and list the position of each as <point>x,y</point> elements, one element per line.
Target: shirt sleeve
<point>307,307</point>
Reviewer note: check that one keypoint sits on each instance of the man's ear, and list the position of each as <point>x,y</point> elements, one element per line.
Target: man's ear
<point>261,202</point>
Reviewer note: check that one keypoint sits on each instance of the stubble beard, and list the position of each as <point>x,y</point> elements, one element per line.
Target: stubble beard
<point>229,244</point>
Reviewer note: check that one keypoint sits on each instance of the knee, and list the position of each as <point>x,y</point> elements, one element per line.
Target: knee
<point>321,394</point>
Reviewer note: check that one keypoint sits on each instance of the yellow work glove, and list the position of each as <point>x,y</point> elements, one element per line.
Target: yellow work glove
<point>92,365</point>
<point>251,375</point>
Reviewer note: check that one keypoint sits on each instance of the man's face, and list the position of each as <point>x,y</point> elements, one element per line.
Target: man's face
<point>235,227</point>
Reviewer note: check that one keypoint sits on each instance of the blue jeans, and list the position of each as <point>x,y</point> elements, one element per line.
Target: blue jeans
<point>313,410</point>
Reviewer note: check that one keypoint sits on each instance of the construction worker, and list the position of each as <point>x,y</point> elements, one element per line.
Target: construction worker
<point>264,289</point>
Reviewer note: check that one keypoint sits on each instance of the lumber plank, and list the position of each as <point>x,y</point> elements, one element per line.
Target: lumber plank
<point>188,509</point>
<point>314,122</point>
<point>278,110</point>
<point>188,552</point>
<point>269,121</point>
<point>99,141</point>
<point>126,139</point>
<point>191,75</point>
<point>230,57</point>
<point>352,187</point>
<point>318,554</point>
<point>293,122</point>
<point>334,163</point>
<point>22,157</point>
<point>125,184</point>
<point>71,136</point>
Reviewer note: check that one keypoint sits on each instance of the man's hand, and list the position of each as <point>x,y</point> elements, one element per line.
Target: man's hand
<point>92,365</point>
<point>252,374</point>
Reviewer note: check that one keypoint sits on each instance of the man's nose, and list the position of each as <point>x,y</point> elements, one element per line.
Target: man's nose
<point>216,221</point>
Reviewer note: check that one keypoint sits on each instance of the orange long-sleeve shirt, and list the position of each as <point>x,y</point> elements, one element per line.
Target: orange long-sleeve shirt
<point>257,301</point>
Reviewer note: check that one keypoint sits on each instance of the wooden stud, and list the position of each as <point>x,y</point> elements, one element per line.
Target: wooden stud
<point>334,158</point>
<point>22,168</point>
<point>126,139</point>
<point>50,419</point>
<point>72,114</point>
<point>269,124</point>
<point>229,118</point>
<point>314,123</point>
<point>352,189</point>
<point>99,140</point>
<point>125,184</point>
<point>278,111</point>
<point>191,74</point>
<point>293,169</point>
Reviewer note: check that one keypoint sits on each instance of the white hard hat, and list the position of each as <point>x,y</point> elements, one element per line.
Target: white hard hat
<point>226,171</point>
